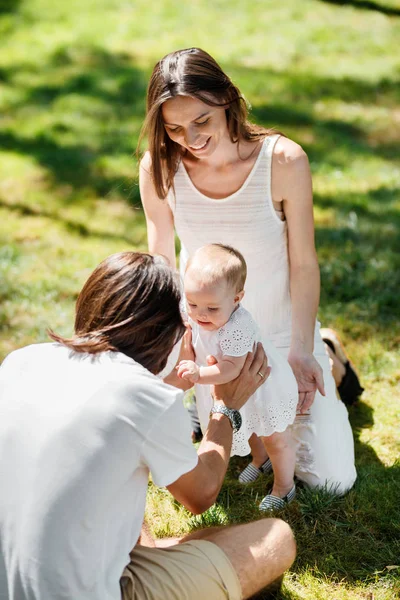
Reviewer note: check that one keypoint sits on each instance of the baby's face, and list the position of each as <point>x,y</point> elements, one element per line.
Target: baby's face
<point>210,305</point>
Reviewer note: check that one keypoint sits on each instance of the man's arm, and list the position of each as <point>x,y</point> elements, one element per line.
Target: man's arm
<point>198,489</point>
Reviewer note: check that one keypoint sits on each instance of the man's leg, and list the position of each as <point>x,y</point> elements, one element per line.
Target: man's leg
<point>260,552</point>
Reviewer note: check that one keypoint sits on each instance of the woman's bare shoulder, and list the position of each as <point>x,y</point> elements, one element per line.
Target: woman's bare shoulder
<point>145,170</point>
<point>286,152</point>
<point>290,170</point>
<point>145,161</point>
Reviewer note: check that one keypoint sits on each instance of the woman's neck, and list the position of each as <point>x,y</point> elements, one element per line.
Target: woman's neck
<point>226,155</point>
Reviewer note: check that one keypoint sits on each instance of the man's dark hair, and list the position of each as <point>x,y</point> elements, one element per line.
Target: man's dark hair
<point>129,304</point>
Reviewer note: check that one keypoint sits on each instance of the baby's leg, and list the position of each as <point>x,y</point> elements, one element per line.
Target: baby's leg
<point>258,452</point>
<point>260,464</point>
<point>281,451</point>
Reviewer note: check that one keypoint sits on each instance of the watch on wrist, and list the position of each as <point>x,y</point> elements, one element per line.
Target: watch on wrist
<point>233,415</point>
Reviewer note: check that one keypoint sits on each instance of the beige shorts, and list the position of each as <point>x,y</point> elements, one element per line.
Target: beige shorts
<point>194,570</point>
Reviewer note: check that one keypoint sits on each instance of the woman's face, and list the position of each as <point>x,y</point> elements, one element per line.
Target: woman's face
<point>196,126</point>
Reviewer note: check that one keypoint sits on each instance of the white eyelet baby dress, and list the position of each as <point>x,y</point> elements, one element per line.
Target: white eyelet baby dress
<point>273,407</point>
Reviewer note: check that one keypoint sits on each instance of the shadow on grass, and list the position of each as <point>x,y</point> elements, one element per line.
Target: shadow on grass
<point>335,143</point>
<point>299,90</point>
<point>367,5</point>
<point>88,86</point>
<point>285,115</point>
<point>74,227</point>
<point>72,164</point>
<point>355,262</point>
<point>84,109</point>
<point>349,538</point>
<point>91,103</point>
<point>104,93</point>
<point>292,101</point>
<point>360,253</point>
<point>374,205</point>
<point>9,6</point>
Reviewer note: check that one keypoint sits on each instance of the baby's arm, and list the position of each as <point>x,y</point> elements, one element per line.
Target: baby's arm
<point>226,369</point>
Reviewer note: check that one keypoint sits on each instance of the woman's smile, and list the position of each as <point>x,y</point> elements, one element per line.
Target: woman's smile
<point>200,147</point>
<point>195,126</point>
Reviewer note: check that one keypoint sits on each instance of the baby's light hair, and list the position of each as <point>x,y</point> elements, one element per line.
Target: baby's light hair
<point>214,262</point>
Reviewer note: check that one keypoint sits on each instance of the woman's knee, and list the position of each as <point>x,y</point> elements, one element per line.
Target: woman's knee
<point>333,480</point>
<point>341,484</point>
<point>325,454</point>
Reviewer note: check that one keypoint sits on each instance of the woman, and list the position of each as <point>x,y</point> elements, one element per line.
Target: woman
<point>214,177</point>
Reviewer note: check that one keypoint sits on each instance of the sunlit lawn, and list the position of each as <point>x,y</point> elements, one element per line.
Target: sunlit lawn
<point>72,87</point>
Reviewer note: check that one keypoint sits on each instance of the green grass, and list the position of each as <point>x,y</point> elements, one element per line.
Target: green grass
<point>72,89</point>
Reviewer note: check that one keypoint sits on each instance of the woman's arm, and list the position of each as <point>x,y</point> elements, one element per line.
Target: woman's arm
<point>295,190</point>
<point>161,240</point>
<point>223,371</point>
<point>159,217</point>
<point>291,185</point>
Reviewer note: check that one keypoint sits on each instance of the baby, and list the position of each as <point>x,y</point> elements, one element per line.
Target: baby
<point>221,327</point>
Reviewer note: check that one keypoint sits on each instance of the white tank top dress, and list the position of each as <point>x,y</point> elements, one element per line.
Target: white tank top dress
<point>247,220</point>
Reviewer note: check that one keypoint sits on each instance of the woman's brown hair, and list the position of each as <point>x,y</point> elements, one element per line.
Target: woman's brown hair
<point>129,304</point>
<point>191,72</point>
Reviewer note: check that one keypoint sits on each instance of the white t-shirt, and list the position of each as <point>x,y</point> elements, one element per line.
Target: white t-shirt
<point>79,434</point>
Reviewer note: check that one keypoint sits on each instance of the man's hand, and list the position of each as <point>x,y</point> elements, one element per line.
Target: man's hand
<point>186,352</point>
<point>308,373</point>
<point>188,370</point>
<point>254,373</point>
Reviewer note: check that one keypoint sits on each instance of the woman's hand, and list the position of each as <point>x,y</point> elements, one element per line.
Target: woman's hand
<point>309,378</point>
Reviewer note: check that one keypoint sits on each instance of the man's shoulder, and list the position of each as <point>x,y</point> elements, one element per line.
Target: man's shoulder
<point>129,379</point>
<point>27,354</point>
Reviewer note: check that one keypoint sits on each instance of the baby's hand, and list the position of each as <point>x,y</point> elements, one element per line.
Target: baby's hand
<point>188,370</point>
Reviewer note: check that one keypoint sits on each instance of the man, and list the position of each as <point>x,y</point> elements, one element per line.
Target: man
<point>84,420</point>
